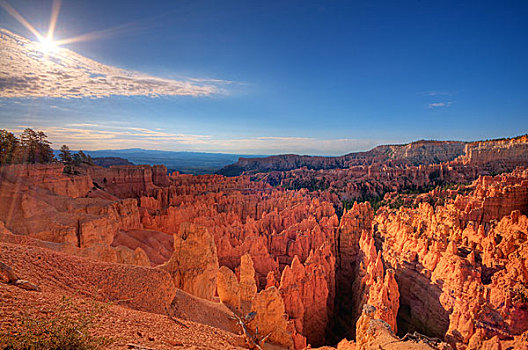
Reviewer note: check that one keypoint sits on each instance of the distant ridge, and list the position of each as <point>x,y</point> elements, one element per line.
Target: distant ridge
<point>110,161</point>
<point>415,153</point>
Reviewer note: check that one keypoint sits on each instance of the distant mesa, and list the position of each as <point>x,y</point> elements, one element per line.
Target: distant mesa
<point>416,153</point>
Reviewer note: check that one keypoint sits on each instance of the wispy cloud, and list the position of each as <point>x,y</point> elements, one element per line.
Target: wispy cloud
<point>439,104</point>
<point>436,93</point>
<point>93,136</point>
<point>26,71</point>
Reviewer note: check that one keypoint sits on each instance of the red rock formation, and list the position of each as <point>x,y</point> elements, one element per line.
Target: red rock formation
<point>495,197</point>
<point>126,181</point>
<point>500,155</point>
<point>354,223</point>
<point>132,257</point>
<point>194,263</point>
<point>228,287</point>
<point>373,333</point>
<point>419,152</point>
<point>459,267</point>
<point>158,246</point>
<point>34,204</point>
<point>271,280</point>
<point>270,317</point>
<point>306,293</point>
<point>46,176</point>
<point>248,286</point>
<point>462,275</point>
<point>376,287</point>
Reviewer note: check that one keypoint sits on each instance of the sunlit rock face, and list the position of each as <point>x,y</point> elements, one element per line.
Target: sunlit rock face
<point>228,287</point>
<point>194,263</point>
<point>501,155</point>
<point>419,152</point>
<point>248,285</point>
<point>269,308</point>
<point>389,170</point>
<point>462,275</point>
<point>42,202</point>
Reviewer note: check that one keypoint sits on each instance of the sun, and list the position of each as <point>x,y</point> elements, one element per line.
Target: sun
<point>47,45</point>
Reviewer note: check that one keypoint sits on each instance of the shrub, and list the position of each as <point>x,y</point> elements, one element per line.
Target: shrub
<point>66,328</point>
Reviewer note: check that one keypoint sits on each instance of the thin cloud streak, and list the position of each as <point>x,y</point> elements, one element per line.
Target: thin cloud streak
<point>439,104</point>
<point>27,71</point>
<point>436,93</point>
<point>89,136</point>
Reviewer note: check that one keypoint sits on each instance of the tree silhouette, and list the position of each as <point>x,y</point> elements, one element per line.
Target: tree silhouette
<point>35,148</point>
<point>65,155</point>
<point>86,159</point>
<point>8,146</point>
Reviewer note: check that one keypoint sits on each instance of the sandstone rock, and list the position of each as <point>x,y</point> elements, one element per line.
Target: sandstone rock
<point>194,263</point>
<point>157,245</point>
<point>354,223</point>
<point>498,154</point>
<point>374,333</point>
<point>459,263</point>
<point>7,273</point>
<point>126,255</point>
<point>49,177</point>
<point>248,286</point>
<point>271,280</point>
<point>379,288</point>
<point>126,181</point>
<point>270,317</point>
<point>228,287</point>
<point>27,285</point>
<point>307,291</point>
<point>137,287</point>
<point>461,275</point>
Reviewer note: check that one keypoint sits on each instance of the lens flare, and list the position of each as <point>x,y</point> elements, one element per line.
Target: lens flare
<point>47,45</point>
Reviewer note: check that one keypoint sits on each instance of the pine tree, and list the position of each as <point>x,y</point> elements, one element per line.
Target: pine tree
<point>65,155</point>
<point>86,159</point>
<point>8,147</point>
<point>45,152</point>
<point>35,148</point>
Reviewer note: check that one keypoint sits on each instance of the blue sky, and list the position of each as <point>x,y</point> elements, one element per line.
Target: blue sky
<point>314,77</point>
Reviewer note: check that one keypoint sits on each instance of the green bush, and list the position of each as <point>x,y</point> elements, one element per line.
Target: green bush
<point>66,328</point>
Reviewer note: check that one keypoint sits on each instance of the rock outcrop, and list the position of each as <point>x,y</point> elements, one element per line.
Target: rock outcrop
<point>270,317</point>
<point>374,286</point>
<point>419,152</point>
<point>307,290</point>
<point>499,155</point>
<point>248,286</point>
<point>374,333</point>
<point>228,287</point>
<point>462,275</point>
<point>194,263</point>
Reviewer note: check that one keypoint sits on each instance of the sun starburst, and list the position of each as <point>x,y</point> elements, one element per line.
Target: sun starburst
<point>47,45</point>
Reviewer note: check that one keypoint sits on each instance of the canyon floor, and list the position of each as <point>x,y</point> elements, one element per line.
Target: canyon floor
<point>419,246</point>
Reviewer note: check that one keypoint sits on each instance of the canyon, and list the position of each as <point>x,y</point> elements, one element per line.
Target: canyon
<point>415,246</point>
